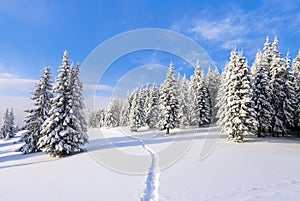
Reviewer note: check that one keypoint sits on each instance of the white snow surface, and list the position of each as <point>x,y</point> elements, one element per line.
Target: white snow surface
<point>259,169</point>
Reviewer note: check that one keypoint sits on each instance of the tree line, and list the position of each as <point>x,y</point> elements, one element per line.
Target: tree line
<point>177,102</point>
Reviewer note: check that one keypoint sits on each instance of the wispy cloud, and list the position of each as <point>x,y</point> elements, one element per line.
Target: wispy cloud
<point>13,85</point>
<point>229,27</point>
<point>99,87</point>
<point>241,28</point>
<point>7,75</point>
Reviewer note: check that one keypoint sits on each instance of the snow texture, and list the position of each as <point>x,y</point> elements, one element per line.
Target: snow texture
<point>260,169</point>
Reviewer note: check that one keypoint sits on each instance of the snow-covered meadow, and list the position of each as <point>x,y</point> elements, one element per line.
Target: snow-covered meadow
<point>259,169</point>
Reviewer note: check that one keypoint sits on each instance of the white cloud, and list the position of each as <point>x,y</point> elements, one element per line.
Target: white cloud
<point>7,75</point>
<point>218,29</point>
<point>230,44</point>
<point>99,87</point>
<point>16,86</point>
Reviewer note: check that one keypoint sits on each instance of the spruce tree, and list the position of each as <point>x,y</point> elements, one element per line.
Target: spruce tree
<point>240,114</point>
<point>290,95</point>
<point>37,115</point>
<point>7,129</point>
<point>60,131</point>
<point>213,84</point>
<point>279,84</point>
<point>136,115</point>
<point>78,104</point>
<point>296,73</point>
<point>222,100</point>
<point>143,96</point>
<point>126,109</point>
<point>261,94</point>
<point>201,102</point>
<point>112,113</point>
<point>168,102</point>
<point>183,100</point>
<point>12,128</point>
<point>151,109</point>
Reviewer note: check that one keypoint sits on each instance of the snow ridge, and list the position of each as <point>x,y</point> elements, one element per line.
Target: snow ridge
<point>150,192</point>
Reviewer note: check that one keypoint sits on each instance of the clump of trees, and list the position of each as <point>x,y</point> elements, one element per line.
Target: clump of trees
<point>56,124</point>
<point>262,100</point>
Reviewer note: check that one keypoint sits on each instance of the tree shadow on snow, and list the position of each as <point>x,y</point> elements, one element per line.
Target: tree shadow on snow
<point>128,141</point>
<point>17,156</point>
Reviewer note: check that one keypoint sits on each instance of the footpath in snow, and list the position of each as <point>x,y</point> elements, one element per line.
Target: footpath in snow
<point>152,179</point>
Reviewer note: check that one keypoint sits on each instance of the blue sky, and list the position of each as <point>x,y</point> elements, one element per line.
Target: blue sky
<point>34,33</point>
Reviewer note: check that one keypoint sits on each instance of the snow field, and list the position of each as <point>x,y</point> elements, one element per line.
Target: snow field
<point>259,169</point>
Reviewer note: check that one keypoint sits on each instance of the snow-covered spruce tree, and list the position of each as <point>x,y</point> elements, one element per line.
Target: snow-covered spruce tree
<point>201,102</point>
<point>91,119</point>
<point>60,136</point>
<point>12,128</point>
<point>135,112</point>
<point>124,115</point>
<point>240,114</point>
<point>4,124</point>
<point>78,104</point>
<point>183,101</point>
<point>142,99</point>
<point>296,72</point>
<point>222,101</point>
<point>112,113</point>
<point>261,94</point>
<point>168,102</point>
<point>279,84</point>
<point>36,116</point>
<point>126,109</point>
<point>151,109</point>
<point>213,84</point>
<point>290,95</point>
<point>8,128</point>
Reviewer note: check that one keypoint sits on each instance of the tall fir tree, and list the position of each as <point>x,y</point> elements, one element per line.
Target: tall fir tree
<point>184,103</point>
<point>151,109</point>
<point>13,130</point>
<point>60,134</point>
<point>8,129</point>
<point>296,73</point>
<point>125,111</point>
<point>78,104</point>
<point>143,96</point>
<point>201,102</point>
<point>290,95</point>
<point>136,112</point>
<point>168,102</point>
<point>240,114</point>
<point>36,116</point>
<point>213,84</point>
<point>261,94</point>
<point>112,113</point>
<point>222,100</point>
<point>280,100</point>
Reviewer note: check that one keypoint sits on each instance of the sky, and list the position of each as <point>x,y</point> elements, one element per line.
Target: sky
<point>34,34</point>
